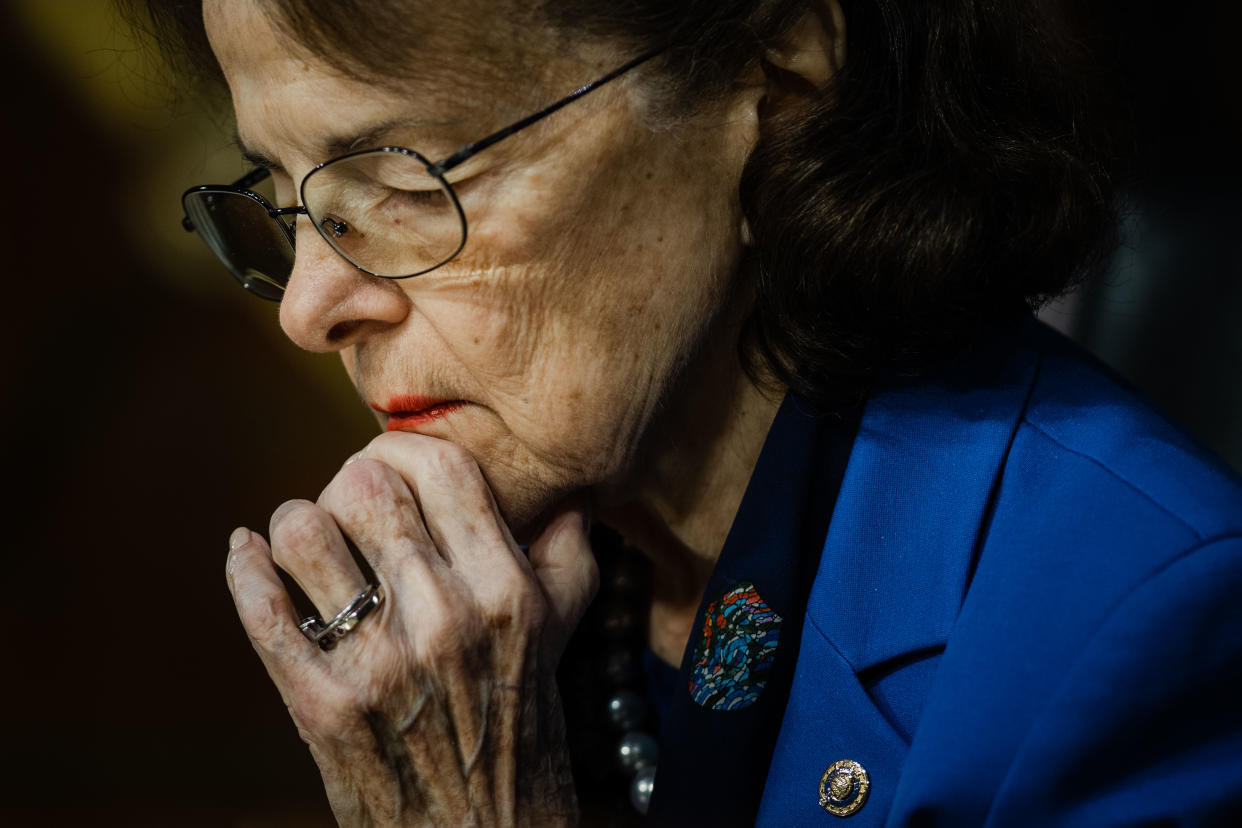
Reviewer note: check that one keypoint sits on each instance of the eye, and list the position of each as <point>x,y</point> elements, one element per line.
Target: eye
<point>419,198</point>
<point>403,183</point>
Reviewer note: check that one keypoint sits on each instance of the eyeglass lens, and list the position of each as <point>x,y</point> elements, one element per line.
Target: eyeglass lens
<point>245,237</point>
<point>385,213</point>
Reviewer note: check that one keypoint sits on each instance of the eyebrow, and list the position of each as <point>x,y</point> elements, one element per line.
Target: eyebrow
<point>253,157</point>
<point>334,146</point>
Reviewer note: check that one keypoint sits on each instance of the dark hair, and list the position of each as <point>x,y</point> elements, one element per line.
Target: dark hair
<point>953,176</point>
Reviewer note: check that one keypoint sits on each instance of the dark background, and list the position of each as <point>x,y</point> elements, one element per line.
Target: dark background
<point>151,406</point>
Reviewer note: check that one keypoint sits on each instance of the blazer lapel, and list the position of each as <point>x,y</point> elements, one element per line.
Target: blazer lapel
<point>895,568</point>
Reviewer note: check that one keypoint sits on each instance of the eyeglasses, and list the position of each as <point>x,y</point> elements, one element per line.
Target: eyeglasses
<point>387,211</point>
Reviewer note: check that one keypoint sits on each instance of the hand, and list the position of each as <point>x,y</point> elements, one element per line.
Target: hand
<point>440,707</point>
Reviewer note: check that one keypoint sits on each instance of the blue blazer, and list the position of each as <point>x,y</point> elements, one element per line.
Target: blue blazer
<point>1028,612</point>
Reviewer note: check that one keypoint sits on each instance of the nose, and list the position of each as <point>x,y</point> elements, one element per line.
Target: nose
<point>329,304</point>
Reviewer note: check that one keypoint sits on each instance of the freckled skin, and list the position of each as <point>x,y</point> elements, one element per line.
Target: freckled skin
<point>567,319</point>
<point>590,328</point>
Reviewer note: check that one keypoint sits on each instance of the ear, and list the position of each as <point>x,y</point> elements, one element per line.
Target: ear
<point>812,53</point>
<point>790,75</point>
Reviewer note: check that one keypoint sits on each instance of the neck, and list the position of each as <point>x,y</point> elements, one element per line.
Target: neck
<point>691,474</point>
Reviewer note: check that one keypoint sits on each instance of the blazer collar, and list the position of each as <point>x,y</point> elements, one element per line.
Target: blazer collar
<point>916,494</point>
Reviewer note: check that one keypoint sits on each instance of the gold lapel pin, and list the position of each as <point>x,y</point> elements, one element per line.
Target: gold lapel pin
<point>844,787</point>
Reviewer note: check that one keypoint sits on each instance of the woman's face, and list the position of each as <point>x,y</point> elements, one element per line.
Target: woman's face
<point>601,260</point>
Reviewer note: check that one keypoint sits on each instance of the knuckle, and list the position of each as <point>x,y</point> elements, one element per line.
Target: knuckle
<point>445,460</point>
<point>512,603</point>
<point>439,463</point>
<point>389,440</point>
<point>299,529</point>
<point>439,644</point>
<point>265,620</point>
<point>444,636</point>
<point>396,444</point>
<point>368,492</point>
<point>365,479</point>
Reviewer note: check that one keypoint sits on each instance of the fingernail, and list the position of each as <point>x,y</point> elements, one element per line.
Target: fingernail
<point>239,538</point>
<point>355,456</point>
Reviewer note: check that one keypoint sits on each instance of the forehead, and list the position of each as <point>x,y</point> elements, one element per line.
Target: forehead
<point>377,39</point>
<point>289,100</point>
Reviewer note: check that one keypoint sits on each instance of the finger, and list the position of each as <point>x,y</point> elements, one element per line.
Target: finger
<point>566,570</point>
<point>307,544</point>
<point>264,607</point>
<point>457,506</point>
<point>375,508</point>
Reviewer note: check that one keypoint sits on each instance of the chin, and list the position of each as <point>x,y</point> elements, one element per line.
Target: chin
<point>525,504</point>
<point>525,516</point>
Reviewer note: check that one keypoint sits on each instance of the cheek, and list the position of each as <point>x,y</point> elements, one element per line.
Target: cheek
<point>575,350</point>
<point>581,293</point>
<point>494,322</point>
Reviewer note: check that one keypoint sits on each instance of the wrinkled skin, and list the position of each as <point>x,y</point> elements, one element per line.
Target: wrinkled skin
<point>589,331</point>
<point>440,708</point>
<point>601,256</point>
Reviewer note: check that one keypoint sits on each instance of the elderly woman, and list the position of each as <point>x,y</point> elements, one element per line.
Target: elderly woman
<point>748,283</point>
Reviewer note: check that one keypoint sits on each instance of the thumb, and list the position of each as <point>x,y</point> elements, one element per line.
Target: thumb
<point>567,572</point>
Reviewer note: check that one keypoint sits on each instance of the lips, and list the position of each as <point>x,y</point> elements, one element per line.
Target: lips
<point>409,411</point>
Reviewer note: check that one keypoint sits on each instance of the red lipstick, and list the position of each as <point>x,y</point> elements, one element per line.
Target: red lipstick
<point>407,411</point>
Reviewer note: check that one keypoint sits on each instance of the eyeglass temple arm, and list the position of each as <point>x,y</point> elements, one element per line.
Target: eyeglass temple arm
<point>251,178</point>
<point>440,167</point>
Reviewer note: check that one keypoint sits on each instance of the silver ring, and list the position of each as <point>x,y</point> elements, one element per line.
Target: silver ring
<point>326,635</point>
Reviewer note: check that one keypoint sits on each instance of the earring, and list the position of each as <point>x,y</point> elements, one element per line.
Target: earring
<point>748,238</point>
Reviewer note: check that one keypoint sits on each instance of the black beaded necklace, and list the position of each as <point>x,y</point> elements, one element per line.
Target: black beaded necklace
<point>604,692</point>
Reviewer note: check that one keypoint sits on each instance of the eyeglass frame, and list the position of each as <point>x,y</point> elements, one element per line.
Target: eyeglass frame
<point>435,169</point>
